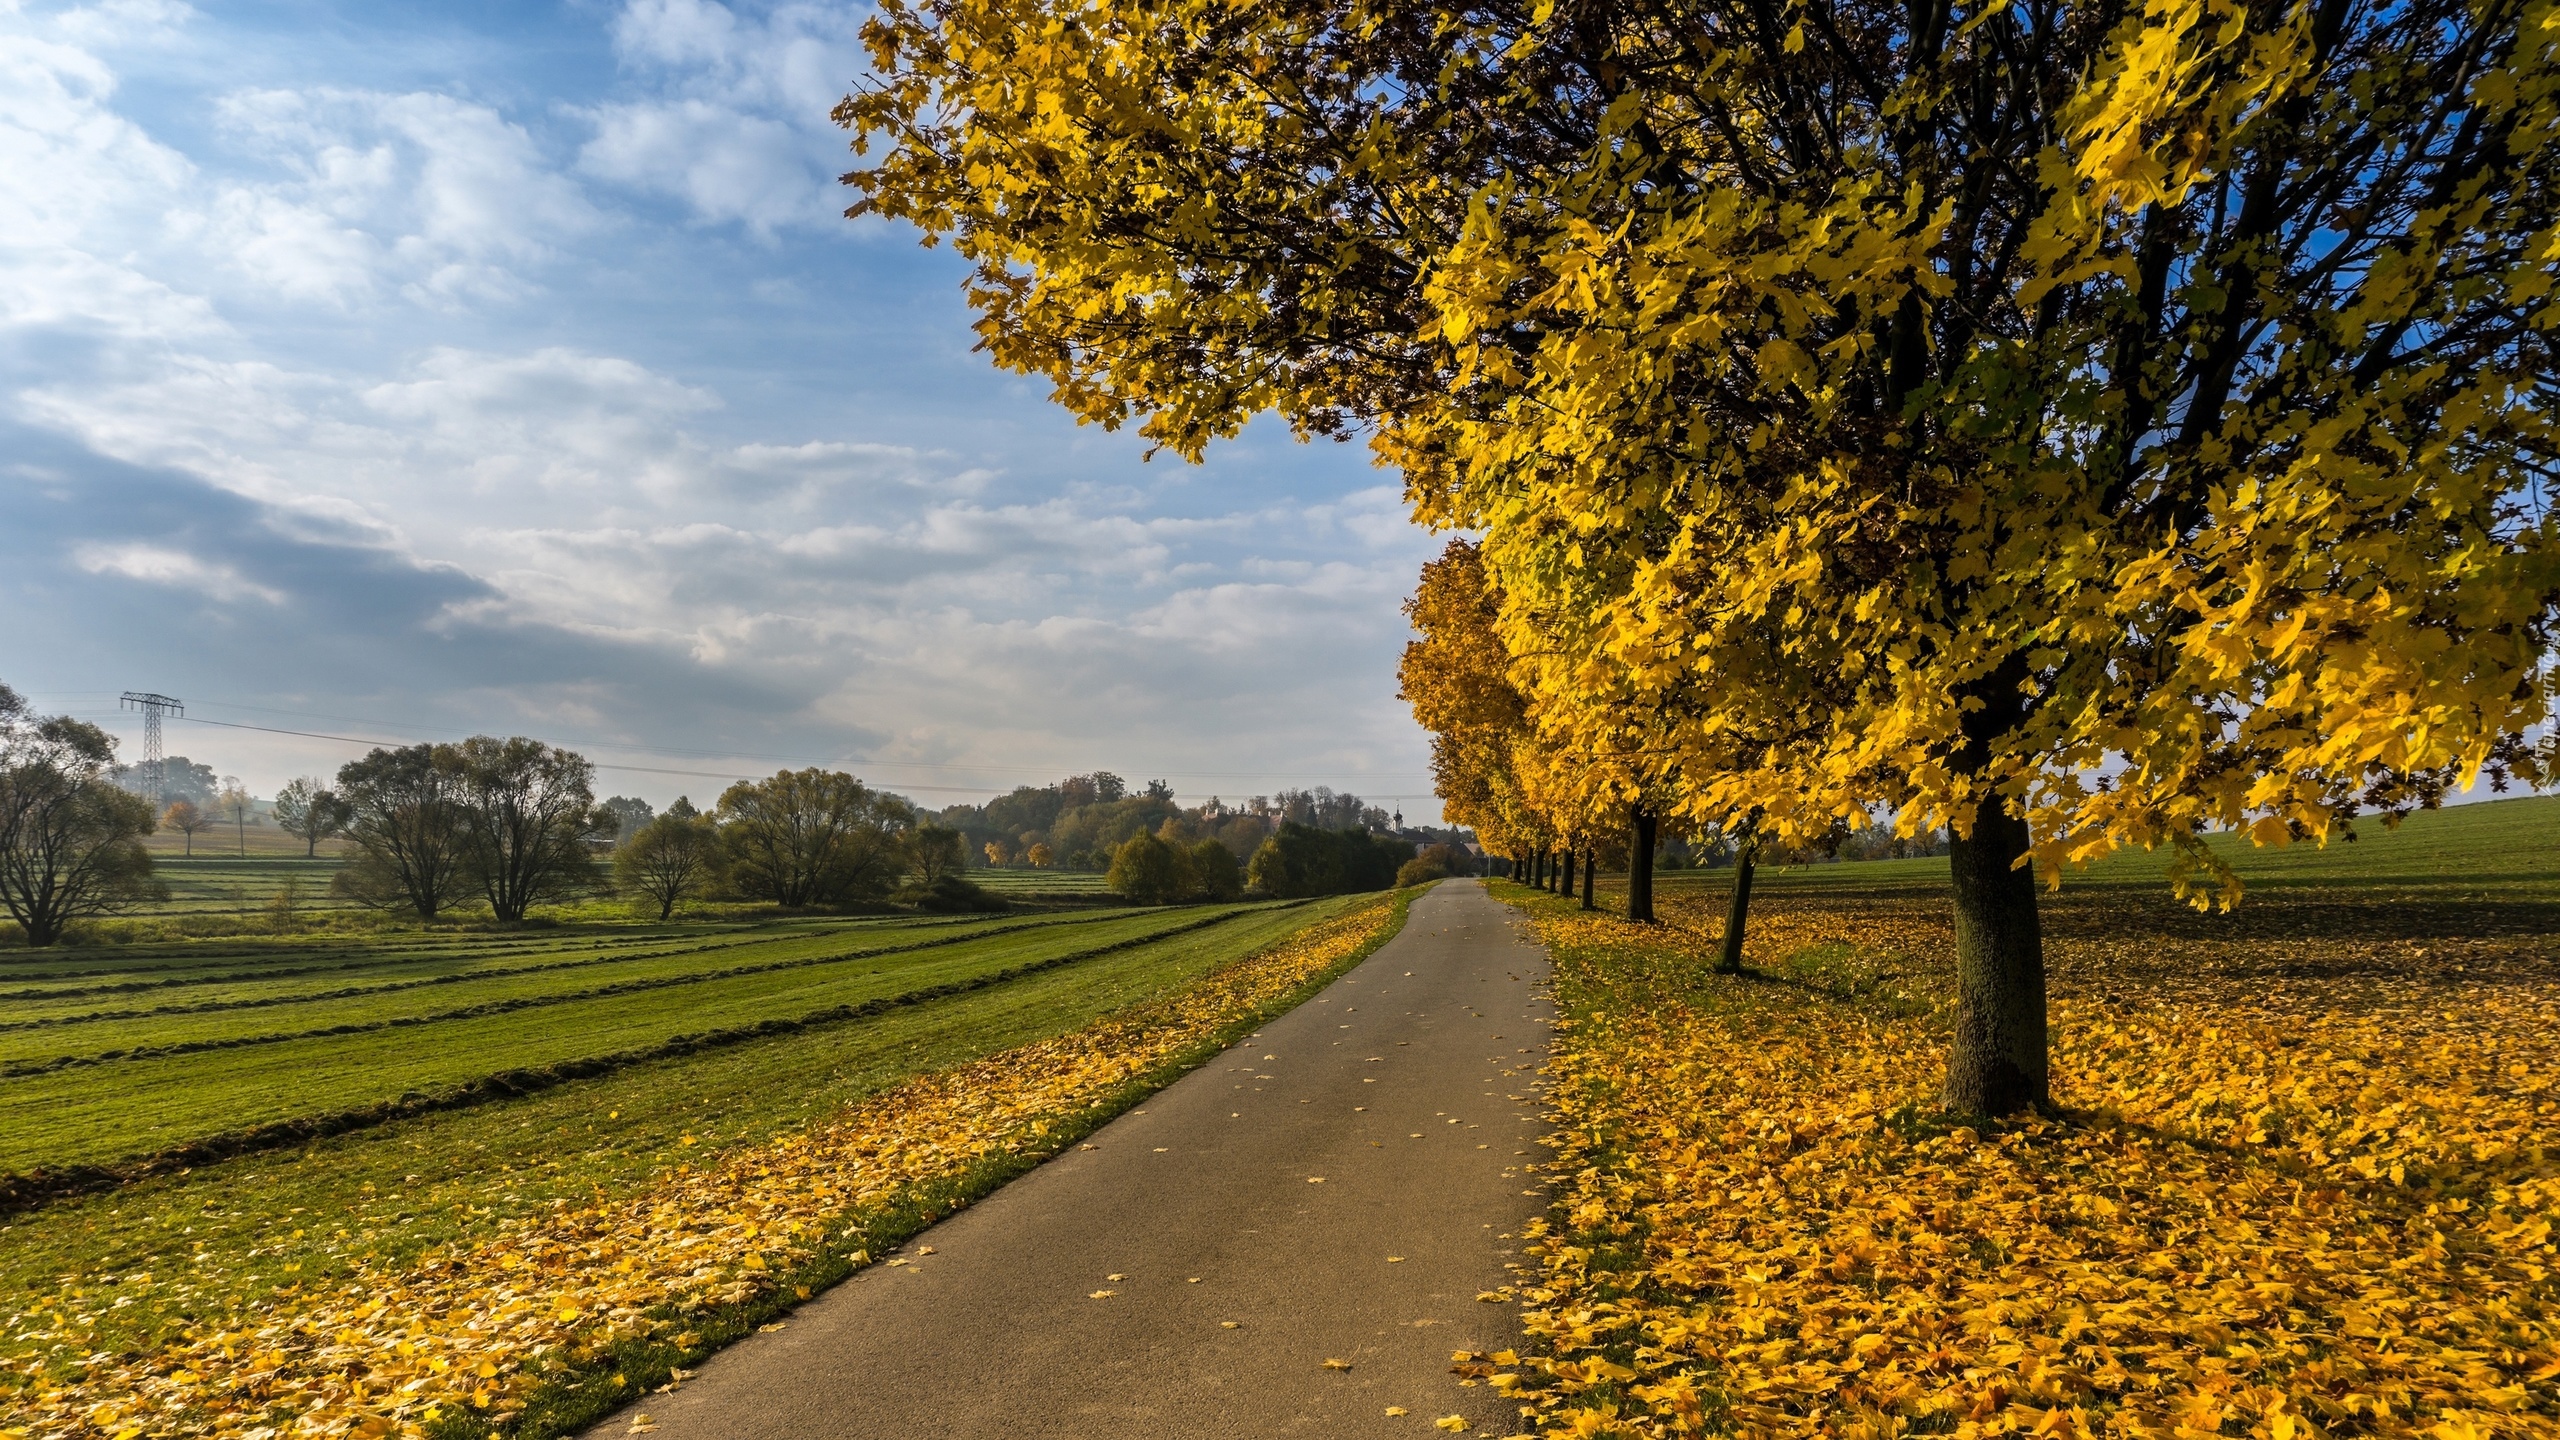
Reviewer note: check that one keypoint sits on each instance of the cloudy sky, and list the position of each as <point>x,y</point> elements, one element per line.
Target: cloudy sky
<point>402,370</point>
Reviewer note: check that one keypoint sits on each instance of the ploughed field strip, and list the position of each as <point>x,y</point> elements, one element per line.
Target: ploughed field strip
<point>104,1090</point>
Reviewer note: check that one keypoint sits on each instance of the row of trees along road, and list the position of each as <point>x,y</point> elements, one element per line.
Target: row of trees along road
<point>2073,425</point>
<point>70,836</point>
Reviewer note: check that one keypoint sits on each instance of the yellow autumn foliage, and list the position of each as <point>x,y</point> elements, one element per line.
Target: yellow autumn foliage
<point>2302,1188</point>
<point>2070,426</point>
<point>385,1351</point>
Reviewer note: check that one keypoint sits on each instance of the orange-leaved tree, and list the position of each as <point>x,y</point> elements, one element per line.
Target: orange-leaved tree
<point>1457,679</point>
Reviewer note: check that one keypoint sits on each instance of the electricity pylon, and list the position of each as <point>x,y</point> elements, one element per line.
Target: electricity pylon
<point>155,765</point>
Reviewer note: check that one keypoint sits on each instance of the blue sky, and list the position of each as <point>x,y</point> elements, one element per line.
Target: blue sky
<point>402,371</point>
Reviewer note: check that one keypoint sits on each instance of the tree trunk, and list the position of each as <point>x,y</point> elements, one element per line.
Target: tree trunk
<point>1565,864</point>
<point>1640,868</point>
<point>1737,911</point>
<point>1590,868</point>
<point>1998,1064</point>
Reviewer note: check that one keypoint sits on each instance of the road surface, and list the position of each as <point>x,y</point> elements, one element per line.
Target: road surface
<point>1339,1188</point>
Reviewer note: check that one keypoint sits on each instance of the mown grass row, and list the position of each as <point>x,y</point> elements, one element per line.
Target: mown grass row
<point>318,1017</point>
<point>155,962</point>
<point>252,1074</point>
<point>148,966</point>
<point>216,885</point>
<point>345,979</point>
<point>192,1251</point>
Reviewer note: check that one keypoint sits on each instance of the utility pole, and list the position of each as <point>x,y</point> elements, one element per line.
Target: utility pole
<point>155,765</point>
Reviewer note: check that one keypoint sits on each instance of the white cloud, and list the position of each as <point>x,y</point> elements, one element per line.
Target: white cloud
<point>737,125</point>
<point>124,22</point>
<point>570,484</point>
<point>160,565</point>
<point>364,194</point>
<point>80,188</point>
<point>725,163</point>
<point>440,198</point>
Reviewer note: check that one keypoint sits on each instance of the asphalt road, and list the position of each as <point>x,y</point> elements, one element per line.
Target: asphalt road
<point>1340,1187</point>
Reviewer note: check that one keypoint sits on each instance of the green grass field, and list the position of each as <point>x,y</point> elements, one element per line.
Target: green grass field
<point>218,892</point>
<point>2484,850</point>
<point>2473,885</point>
<point>1017,884</point>
<point>222,884</point>
<point>187,1248</point>
<point>92,1073</point>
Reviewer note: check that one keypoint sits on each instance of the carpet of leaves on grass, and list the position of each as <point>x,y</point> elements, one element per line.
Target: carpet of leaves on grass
<point>2302,1184</point>
<point>391,1353</point>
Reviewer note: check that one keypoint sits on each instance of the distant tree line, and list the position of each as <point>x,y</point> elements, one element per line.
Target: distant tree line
<point>1294,862</point>
<point>180,779</point>
<point>513,824</point>
<point>1084,821</point>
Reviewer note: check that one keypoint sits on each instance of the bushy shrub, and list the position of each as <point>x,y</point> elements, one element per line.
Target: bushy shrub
<point>1149,871</point>
<point>1214,874</point>
<point>948,895</point>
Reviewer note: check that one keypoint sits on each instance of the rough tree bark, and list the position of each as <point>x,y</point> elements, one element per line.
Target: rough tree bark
<point>1737,910</point>
<point>1998,1064</point>
<point>1590,868</point>
<point>1640,867</point>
